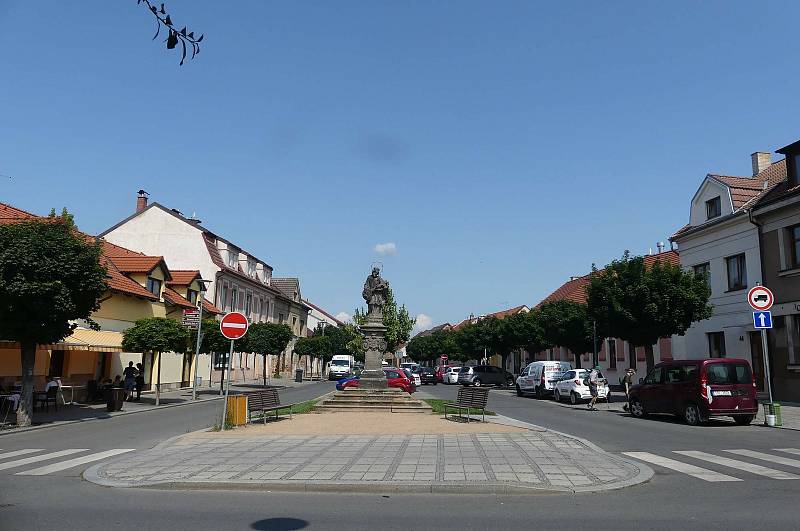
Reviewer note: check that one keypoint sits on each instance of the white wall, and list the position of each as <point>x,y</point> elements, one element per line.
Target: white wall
<point>732,313</point>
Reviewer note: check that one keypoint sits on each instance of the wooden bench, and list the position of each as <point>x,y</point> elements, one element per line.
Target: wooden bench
<point>470,398</point>
<point>265,400</point>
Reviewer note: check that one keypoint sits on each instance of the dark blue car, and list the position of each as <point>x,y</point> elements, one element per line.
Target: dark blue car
<point>341,384</point>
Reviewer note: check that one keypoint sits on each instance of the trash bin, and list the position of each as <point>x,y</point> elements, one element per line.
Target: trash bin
<point>298,375</point>
<point>237,410</point>
<point>775,409</point>
<point>115,396</point>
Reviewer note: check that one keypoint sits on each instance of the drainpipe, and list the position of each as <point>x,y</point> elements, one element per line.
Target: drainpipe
<point>764,342</point>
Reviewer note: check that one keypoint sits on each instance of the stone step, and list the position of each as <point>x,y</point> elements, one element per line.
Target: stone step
<point>363,407</point>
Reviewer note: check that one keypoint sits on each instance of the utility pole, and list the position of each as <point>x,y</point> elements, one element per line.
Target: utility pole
<point>199,338</point>
<point>227,390</point>
<point>595,361</point>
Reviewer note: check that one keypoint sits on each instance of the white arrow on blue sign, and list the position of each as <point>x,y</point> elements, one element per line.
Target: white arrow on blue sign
<point>762,319</point>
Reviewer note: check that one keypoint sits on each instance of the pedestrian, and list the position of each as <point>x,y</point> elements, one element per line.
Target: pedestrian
<point>130,380</point>
<point>139,381</point>
<point>627,382</point>
<point>594,376</point>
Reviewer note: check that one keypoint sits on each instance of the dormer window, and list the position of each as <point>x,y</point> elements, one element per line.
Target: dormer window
<point>191,296</point>
<point>713,208</point>
<point>233,257</point>
<point>154,286</point>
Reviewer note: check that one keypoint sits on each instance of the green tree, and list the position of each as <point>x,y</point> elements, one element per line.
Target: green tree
<point>397,321</point>
<point>421,348</point>
<point>531,331</point>
<point>50,276</point>
<point>211,342</point>
<point>156,335</point>
<point>566,323</point>
<point>641,304</point>
<point>316,347</point>
<point>266,339</point>
<point>471,341</point>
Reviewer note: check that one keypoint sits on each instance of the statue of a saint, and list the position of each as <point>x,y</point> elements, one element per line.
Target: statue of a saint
<point>375,290</point>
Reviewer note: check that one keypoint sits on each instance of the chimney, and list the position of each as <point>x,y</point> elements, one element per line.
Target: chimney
<point>141,201</point>
<point>660,246</point>
<point>761,161</point>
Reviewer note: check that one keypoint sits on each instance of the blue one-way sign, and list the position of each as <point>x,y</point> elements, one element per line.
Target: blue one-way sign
<point>762,319</point>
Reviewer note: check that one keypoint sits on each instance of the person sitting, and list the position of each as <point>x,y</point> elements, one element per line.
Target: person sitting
<point>117,381</point>
<point>51,382</point>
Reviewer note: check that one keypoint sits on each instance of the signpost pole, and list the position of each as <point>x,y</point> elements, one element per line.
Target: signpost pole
<point>227,389</point>
<point>197,349</point>
<point>765,350</point>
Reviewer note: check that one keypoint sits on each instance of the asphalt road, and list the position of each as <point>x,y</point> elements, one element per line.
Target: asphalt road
<point>671,499</point>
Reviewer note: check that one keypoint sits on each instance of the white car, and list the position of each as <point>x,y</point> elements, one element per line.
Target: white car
<point>539,377</point>
<point>571,386</point>
<point>451,375</point>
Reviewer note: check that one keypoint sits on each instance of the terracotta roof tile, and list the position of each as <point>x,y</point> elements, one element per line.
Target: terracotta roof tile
<point>210,308</point>
<point>183,277</point>
<point>139,264</point>
<point>9,214</point>
<point>117,281</point>
<point>176,299</point>
<point>287,286</point>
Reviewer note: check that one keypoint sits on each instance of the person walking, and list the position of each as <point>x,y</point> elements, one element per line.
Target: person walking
<point>139,381</point>
<point>594,376</point>
<point>627,382</point>
<point>130,380</point>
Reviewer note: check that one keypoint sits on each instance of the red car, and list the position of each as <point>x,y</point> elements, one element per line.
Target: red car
<point>440,370</point>
<point>698,390</point>
<point>394,377</point>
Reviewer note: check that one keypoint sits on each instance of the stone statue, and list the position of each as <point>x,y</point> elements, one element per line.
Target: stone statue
<point>375,294</point>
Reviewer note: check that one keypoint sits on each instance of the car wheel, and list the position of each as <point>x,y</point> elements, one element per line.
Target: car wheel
<point>574,398</point>
<point>692,415</point>
<point>476,382</point>
<point>539,392</point>
<point>519,391</point>
<point>636,409</point>
<point>434,383</point>
<point>510,383</point>
<point>557,395</point>
<point>743,420</point>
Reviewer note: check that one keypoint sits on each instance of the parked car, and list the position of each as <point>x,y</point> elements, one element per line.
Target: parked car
<point>451,375</point>
<point>698,390</point>
<point>413,377</point>
<point>478,375</point>
<point>394,378</point>
<point>539,377</point>
<point>572,385</point>
<point>427,375</point>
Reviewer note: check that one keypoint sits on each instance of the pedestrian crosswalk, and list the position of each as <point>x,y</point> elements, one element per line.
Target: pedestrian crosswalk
<point>732,468</point>
<point>35,457</point>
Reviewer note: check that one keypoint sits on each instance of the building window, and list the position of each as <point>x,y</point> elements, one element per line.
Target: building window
<point>248,304</point>
<point>716,344</point>
<point>302,326</point>
<point>191,296</point>
<point>154,286</point>
<point>280,318</point>
<point>223,296</point>
<point>794,344</point>
<point>794,245</point>
<point>234,297</point>
<point>612,353</point>
<point>57,363</point>
<point>702,270</point>
<point>258,309</point>
<point>713,208</point>
<point>220,361</point>
<point>737,272</point>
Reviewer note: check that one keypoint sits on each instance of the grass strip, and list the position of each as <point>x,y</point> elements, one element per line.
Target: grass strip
<point>437,404</point>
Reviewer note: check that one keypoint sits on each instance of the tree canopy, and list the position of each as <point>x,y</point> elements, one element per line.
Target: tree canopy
<point>266,339</point>
<point>566,323</point>
<point>641,304</point>
<point>211,340</point>
<point>156,334</point>
<point>50,276</point>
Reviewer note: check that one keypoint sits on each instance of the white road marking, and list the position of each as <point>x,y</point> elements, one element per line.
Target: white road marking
<point>694,471</point>
<point>788,450</point>
<point>739,465</point>
<point>778,460</point>
<point>20,452</point>
<point>42,457</point>
<point>63,465</point>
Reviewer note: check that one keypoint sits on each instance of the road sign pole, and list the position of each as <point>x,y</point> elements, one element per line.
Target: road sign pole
<point>227,389</point>
<point>765,350</point>
<point>197,349</point>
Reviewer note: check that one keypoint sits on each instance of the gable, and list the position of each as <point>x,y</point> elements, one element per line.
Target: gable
<point>709,189</point>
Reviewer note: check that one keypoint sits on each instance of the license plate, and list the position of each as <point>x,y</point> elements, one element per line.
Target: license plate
<point>722,393</point>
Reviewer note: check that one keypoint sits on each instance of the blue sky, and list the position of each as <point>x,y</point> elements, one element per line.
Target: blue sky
<point>501,146</point>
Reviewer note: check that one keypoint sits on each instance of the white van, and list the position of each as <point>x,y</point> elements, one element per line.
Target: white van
<point>340,366</point>
<point>539,377</point>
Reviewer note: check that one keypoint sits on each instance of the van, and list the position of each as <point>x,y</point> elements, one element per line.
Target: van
<point>539,377</point>
<point>697,390</point>
<point>341,366</point>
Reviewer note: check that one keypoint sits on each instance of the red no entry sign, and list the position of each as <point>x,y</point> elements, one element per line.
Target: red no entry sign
<point>233,325</point>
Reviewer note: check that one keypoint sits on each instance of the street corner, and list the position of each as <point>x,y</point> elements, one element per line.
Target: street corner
<point>504,456</point>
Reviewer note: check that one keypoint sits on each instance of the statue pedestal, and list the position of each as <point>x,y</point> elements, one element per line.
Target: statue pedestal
<point>373,377</point>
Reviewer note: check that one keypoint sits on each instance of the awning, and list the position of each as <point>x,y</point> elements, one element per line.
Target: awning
<point>81,339</point>
<point>93,340</point>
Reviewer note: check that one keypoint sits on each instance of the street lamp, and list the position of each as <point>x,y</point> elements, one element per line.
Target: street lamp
<point>199,334</point>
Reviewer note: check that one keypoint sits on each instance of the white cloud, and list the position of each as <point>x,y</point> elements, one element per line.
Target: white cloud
<point>344,317</point>
<point>386,248</point>
<point>423,322</point>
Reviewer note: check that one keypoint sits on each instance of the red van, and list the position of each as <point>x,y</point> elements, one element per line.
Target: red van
<point>697,390</point>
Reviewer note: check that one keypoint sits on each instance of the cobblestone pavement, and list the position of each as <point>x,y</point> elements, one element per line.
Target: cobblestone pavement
<point>480,462</point>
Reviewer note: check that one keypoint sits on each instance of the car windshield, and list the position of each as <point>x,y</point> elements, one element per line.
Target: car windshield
<point>728,373</point>
<point>464,369</point>
<point>340,363</point>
